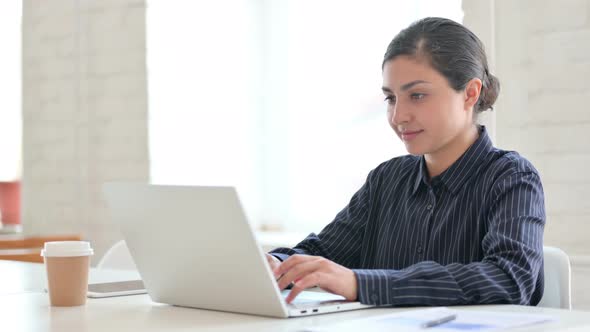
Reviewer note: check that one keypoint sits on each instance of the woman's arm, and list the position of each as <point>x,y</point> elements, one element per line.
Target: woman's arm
<point>341,240</point>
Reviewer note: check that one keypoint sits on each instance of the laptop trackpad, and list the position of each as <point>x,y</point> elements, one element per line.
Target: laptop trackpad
<point>307,297</point>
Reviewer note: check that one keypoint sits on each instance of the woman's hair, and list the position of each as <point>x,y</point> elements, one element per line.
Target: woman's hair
<point>452,50</point>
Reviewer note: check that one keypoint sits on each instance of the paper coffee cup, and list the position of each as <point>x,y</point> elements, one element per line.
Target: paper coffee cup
<point>67,264</point>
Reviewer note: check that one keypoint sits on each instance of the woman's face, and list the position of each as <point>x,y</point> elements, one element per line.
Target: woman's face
<point>422,108</point>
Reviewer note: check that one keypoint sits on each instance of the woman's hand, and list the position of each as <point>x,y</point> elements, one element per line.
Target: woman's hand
<point>309,271</point>
<point>273,262</point>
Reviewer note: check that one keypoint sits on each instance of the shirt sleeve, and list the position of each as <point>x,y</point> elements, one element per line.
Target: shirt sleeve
<point>508,273</point>
<point>341,240</point>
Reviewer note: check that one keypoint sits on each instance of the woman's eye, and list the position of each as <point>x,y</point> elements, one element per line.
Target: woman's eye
<point>417,96</point>
<point>390,100</point>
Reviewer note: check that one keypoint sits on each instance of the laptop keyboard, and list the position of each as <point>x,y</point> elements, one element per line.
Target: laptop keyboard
<point>308,299</point>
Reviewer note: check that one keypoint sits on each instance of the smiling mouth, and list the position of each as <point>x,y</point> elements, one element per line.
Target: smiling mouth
<point>409,135</point>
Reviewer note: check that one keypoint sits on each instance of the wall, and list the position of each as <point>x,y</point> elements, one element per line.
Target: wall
<point>542,58</point>
<point>84,112</point>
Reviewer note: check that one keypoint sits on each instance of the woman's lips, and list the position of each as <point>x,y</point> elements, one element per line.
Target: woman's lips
<point>409,135</point>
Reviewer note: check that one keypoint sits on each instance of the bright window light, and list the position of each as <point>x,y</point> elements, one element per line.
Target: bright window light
<point>280,98</point>
<point>10,85</point>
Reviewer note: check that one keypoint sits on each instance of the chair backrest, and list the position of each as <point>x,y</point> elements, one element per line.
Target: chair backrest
<point>558,277</point>
<point>117,257</point>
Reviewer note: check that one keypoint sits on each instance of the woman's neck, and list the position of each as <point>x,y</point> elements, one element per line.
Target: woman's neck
<point>439,161</point>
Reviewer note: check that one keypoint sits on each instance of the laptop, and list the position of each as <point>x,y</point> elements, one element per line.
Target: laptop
<point>193,247</point>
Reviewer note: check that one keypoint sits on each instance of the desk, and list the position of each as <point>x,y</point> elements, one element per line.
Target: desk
<point>21,277</point>
<point>26,308</point>
<point>28,249</point>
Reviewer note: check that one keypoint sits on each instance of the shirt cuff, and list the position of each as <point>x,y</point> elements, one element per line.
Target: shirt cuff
<point>281,257</point>
<point>377,287</point>
<point>368,289</point>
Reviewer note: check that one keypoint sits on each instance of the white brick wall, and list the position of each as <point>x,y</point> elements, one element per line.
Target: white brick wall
<point>542,57</point>
<point>479,18</point>
<point>84,112</point>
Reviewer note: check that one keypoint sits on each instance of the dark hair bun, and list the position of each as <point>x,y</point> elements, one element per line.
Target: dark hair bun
<point>489,93</point>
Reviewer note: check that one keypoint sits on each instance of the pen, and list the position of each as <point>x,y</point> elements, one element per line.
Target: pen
<point>439,321</point>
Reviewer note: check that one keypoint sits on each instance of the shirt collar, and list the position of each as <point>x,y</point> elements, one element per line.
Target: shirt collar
<point>422,176</point>
<point>462,169</point>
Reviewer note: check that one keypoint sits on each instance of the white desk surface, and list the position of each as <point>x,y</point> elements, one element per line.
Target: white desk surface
<point>25,307</point>
<point>19,277</point>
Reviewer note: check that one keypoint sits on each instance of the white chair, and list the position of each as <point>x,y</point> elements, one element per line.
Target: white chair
<point>558,279</point>
<point>117,258</point>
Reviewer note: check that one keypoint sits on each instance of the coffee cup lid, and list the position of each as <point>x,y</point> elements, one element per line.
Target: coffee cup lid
<point>67,249</point>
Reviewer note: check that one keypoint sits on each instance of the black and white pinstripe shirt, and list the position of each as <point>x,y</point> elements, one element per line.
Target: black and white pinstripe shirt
<point>472,235</point>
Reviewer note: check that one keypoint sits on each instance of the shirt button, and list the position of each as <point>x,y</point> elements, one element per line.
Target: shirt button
<point>429,206</point>
<point>374,297</point>
<point>419,249</point>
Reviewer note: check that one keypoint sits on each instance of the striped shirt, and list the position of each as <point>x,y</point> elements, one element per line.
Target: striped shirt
<point>471,235</point>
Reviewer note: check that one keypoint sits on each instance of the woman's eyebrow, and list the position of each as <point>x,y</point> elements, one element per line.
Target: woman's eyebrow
<point>405,86</point>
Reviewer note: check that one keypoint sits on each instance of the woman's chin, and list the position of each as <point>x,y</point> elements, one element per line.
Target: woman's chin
<point>415,149</point>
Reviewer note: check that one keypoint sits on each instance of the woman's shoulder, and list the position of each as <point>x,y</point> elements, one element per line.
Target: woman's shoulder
<point>398,166</point>
<point>506,163</point>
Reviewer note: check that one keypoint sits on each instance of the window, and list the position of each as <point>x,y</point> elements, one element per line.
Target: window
<point>10,116</point>
<point>10,85</point>
<point>279,98</point>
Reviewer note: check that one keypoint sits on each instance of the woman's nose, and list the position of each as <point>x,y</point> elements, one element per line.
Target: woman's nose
<point>399,115</point>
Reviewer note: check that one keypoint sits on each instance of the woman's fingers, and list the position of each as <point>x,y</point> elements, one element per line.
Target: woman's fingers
<point>310,280</point>
<point>305,272</point>
<point>292,261</point>
<point>298,271</point>
<point>273,262</point>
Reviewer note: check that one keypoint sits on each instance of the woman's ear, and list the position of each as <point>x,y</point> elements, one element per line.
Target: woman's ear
<point>472,91</point>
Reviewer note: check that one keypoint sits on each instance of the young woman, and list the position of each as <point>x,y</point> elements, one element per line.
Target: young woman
<point>457,221</point>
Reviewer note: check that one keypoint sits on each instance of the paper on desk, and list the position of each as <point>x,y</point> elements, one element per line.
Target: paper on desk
<point>467,320</point>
